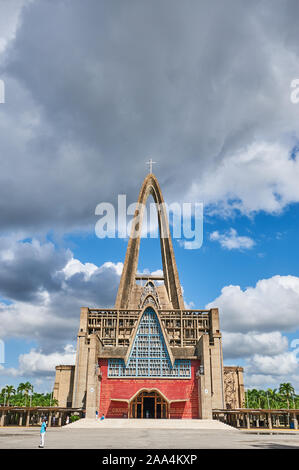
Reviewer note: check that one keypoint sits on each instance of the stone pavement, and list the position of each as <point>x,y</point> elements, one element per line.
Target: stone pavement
<point>143,438</point>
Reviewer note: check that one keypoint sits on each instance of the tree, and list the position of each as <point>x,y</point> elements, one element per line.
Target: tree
<point>253,398</point>
<point>24,389</point>
<point>273,397</point>
<point>9,390</point>
<point>287,391</point>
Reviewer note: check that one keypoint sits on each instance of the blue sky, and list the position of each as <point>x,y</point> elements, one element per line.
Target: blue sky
<point>209,99</point>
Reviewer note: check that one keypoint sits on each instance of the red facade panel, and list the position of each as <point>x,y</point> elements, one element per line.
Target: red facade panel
<point>173,389</point>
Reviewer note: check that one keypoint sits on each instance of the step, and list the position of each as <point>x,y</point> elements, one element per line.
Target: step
<point>150,424</point>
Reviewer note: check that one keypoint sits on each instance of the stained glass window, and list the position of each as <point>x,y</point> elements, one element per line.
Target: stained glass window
<point>149,356</point>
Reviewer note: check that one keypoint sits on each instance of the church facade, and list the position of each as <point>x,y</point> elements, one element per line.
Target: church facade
<point>149,356</point>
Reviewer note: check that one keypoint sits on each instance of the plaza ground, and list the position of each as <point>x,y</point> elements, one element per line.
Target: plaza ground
<point>146,435</point>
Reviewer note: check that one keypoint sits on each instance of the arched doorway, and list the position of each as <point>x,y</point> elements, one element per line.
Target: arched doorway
<point>149,404</point>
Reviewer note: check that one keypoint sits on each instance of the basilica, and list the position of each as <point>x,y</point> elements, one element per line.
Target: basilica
<point>149,356</point>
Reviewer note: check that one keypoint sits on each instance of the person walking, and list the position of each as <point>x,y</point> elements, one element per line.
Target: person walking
<point>42,433</point>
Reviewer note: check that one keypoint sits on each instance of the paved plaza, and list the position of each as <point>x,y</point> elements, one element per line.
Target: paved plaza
<point>142,435</point>
<point>176,424</point>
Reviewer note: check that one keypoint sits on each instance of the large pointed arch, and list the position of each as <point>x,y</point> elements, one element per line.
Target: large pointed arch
<point>149,187</point>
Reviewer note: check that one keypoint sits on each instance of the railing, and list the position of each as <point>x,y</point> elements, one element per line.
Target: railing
<point>32,415</point>
<point>258,419</point>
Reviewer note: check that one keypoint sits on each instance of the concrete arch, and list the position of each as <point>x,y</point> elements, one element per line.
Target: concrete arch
<point>147,303</point>
<point>149,390</point>
<point>150,186</point>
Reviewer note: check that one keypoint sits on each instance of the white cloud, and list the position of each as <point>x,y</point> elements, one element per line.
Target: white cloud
<point>157,272</point>
<point>75,266</point>
<point>253,321</point>
<point>284,364</point>
<point>240,345</point>
<point>270,381</point>
<point>117,267</point>
<point>45,288</point>
<point>35,322</point>
<point>272,305</point>
<point>259,177</point>
<point>9,371</point>
<point>189,305</point>
<point>10,13</point>
<point>36,363</point>
<point>231,240</point>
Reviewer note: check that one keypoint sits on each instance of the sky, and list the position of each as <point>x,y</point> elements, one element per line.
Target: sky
<point>92,91</point>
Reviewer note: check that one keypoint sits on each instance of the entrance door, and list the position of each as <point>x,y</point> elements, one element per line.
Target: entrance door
<point>149,405</point>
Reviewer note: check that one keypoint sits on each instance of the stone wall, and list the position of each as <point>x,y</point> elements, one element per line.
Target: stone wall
<point>173,389</point>
<point>63,386</point>
<point>234,395</point>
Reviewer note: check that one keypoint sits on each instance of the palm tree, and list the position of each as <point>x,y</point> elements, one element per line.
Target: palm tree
<point>21,388</point>
<point>255,400</point>
<point>9,390</point>
<point>263,399</point>
<point>287,391</point>
<point>25,388</point>
<point>272,396</point>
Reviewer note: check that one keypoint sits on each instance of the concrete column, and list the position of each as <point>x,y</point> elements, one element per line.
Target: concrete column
<point>3,416</point>
<point>204,382</point>
<point>269,420</point>
<point>248,420</point>
<point>216,361</point>
<point>241,390</point>
<point>92,378</point>
<point>50,420</point>
<point>80,380</point>
<point>277,421</point>
<point>59,418</point>
<point>258,422</point>
<point>295,421</point>
<point>20,419</point>
<point>238,421</point>
<point>28,418</point>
